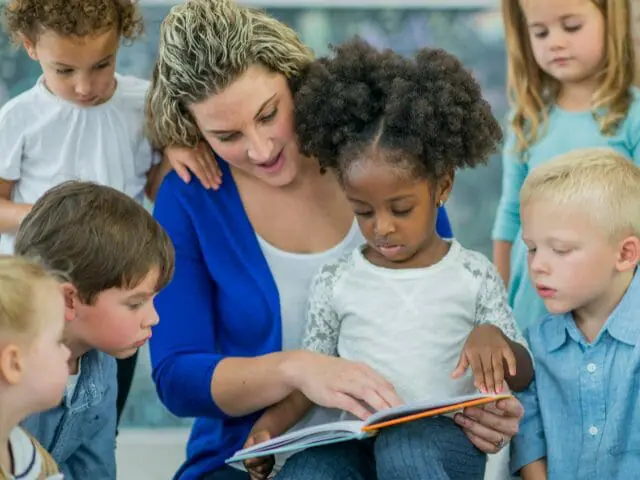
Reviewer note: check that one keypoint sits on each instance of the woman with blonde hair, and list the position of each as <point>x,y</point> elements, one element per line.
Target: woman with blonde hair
<point>228,345</point>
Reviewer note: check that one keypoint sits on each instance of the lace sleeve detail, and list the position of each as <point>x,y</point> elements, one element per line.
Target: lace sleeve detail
<point>492,304</point>
<point>323,321</point>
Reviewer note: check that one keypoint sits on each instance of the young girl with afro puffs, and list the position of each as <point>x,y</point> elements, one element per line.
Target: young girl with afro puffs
<point>417,308</point>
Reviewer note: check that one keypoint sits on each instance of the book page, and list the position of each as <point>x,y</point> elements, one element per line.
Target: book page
<point>304,438</point>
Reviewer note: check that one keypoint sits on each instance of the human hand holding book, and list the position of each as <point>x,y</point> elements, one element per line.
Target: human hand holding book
<point>346,430</point>
<point>259,468</point>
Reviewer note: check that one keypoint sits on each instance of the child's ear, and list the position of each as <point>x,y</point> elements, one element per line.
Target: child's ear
<point>11,364</point>
<point>71,300</point>
<point>444,187</point>
<point>29,46</point>
<point>628,254</point>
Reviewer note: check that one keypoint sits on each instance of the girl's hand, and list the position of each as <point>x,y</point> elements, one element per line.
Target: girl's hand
<point>486,350</point>
<point>199,160</point>
<point>338,383</point>
<point>259,468</point>
<point>491,427</point>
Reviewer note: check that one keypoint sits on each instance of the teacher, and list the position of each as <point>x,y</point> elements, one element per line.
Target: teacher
<point>233,316</point>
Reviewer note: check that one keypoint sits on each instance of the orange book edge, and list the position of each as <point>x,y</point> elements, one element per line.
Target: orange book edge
<point>434,412</point>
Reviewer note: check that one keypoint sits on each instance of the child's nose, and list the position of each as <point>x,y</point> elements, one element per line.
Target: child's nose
<point>539,264</point>
<point>83,87</point>
<point>384,225</point>
<point>153,319</point>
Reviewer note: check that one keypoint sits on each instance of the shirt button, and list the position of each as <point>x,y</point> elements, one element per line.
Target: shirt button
<point>591,367</point>
<point>593,430</point>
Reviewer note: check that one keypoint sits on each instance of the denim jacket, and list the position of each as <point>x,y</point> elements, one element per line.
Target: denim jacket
<point>80,433</point>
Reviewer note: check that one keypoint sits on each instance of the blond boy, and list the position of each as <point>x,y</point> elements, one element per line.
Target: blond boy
<point>581,223</point>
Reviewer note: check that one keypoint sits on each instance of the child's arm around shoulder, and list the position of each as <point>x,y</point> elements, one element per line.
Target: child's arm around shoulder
<point>496,349</point>
<point>185,160</point>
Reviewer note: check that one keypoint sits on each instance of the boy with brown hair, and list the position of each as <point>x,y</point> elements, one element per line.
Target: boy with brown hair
<point>116,257</point>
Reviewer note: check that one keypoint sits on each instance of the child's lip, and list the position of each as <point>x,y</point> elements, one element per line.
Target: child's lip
<point>142,342</point>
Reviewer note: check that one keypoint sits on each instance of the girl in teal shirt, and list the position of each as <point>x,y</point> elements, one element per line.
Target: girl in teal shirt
<point>570,73</point>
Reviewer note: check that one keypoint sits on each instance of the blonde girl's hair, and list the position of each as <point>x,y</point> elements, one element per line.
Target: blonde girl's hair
<point>19,279</point>
<point>532,91</point>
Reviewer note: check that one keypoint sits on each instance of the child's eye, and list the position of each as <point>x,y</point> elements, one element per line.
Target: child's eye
<point>135,306</point>
<point>103,65</point>
<point>572,28</point>
<point>63,71</point>
<point>539,32</point>
<point>402,213</point>
<point>561,251</point>
<point>363,214</point>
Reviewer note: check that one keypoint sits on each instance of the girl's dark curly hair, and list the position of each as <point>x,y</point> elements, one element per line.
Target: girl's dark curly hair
<point>425,113</point>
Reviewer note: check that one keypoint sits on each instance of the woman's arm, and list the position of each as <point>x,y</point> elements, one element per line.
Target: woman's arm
<point>193,379</point>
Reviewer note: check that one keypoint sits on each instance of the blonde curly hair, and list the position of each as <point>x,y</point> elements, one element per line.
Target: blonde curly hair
<point>205,45</point>
<point>71,18</point>
<point>532,91</point>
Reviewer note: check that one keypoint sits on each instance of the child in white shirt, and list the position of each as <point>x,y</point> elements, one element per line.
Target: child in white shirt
<point>81,120</point>
<point>417,308</point>
<point>33,363</point>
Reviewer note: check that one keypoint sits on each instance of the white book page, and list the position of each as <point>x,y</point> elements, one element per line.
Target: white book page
<point>317,433</point>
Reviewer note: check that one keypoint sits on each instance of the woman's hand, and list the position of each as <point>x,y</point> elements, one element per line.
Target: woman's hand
<point>491,427</point>
<point>338,383</point>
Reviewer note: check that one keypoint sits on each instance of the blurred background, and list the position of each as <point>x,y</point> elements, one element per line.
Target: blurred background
<point>152,438</point>
<point>470,29</point>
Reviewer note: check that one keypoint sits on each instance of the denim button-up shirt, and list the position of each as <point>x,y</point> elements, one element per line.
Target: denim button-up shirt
<point>80,433</point>
<point>582,412</point>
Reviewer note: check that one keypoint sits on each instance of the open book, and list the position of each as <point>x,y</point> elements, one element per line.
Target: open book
<point>343,431</point>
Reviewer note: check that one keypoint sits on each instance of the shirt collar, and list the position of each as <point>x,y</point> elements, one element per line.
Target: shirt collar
<point>621,325</point>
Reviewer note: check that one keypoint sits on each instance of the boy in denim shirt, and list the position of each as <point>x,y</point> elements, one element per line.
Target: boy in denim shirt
<point>117,258</point>
<point>581,223</point>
